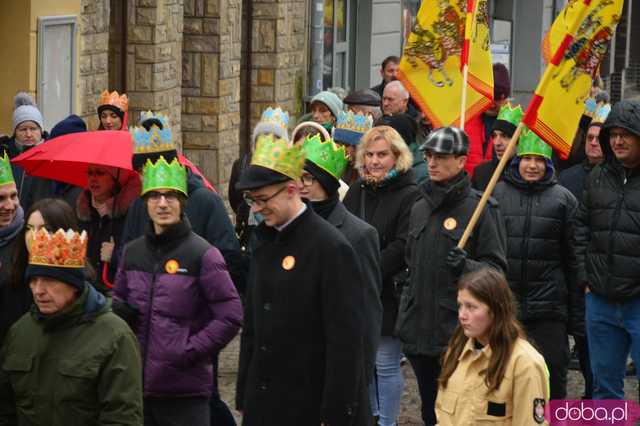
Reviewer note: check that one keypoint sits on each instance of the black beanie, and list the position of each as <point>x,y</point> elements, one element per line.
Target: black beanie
<point>401,123</point>
<point>139,160</point>
<point>329,183</point>
<point>75,277</point>
<point>115,109</point>
<point>71,124</point>
<point>504,126</point>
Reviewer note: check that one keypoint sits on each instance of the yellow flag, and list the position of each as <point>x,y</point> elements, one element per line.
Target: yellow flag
<point>573,48</point>
<point>431,64</point>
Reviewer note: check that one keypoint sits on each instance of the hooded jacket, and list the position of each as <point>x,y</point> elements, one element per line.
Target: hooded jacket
<point>189,308</point>
<point>79,367</point>
<point>386,207</point>
<point>208,218</point>
<point>102,229</point>
<point>428,308</point>
<point>608,232</point>
<point>540,220</point>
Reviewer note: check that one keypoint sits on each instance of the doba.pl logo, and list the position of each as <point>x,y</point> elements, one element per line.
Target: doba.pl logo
<point>589,412</point>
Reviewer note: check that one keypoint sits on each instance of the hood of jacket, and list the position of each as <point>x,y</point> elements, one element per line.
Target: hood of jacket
<point>513,177</point>
<point>122,200</point>
<point>625,115</point>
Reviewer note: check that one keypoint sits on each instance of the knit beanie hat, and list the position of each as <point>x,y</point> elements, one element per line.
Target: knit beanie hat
<point>331,100</point>
<point>501,82</point>
<point>71,124</point>
<point>26,110</point>
<point>329,183</point>
<point>403,124</point>
<point>75,277</point>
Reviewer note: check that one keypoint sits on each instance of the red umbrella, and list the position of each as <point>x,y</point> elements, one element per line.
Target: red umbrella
<point>67,158</point>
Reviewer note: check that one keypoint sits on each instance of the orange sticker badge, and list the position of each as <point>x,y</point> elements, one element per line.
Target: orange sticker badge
<point>171,266</point>
<point>288,263</point>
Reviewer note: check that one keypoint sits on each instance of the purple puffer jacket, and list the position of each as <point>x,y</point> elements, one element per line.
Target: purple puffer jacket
<point>188,309</point>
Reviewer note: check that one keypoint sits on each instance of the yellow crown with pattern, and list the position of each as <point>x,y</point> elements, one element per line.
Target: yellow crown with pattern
<point>114,99</point>
<point>159,137</point>
<point>62,249</point>
<point>278,155</point>
<point>351,127</point>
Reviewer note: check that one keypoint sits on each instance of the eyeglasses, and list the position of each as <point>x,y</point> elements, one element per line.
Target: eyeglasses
<point>260,202</point>
<point>624,135</point>
<point>307,179</point>
<point>155,196</point>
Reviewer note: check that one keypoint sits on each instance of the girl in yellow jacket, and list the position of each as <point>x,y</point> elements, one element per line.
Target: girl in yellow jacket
<point>490,373</point>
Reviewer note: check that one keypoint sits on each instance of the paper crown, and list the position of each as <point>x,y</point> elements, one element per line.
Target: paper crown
<point>327,155</point>
<point>511,114</point>
<point>601,113</point>
<point>275,116</point>
<point>350,127</point>
<point>158,138</point>
<point>6,174</point>
<point>114,99</point>
<point>531,144</point>
<point>278,155</point>
<point>162,175</point>
<point>62,249</point>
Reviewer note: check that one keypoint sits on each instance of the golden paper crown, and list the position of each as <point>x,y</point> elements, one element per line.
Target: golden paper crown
<point>63,249</point>
<point>279,156</point>
<point>114,99</point>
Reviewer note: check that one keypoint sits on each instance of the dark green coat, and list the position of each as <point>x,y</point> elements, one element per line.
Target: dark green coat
<point>81,367</point>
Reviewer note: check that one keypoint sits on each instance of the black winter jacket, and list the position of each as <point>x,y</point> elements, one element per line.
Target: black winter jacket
<point>386,207</point>
<point>574,178</point>
<point>428,308</point>
<point>608,233</point>
<point>540,221</point>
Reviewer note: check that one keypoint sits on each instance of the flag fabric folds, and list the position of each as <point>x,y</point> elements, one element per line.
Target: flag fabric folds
<point>447,34</point>
<point>573,49</point>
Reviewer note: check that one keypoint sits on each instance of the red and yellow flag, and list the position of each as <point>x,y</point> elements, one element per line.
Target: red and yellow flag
<point>573,48</point>
<point>432,60</point>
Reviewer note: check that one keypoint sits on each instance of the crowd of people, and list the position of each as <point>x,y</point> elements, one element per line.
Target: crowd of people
<point>116,299</point>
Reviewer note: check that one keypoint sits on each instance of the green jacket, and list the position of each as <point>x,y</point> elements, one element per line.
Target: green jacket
<point>80,367</point>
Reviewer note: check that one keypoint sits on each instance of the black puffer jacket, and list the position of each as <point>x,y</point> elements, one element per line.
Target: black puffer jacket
<point>386,207</point>
<point>539,218</point>
<point>428,309</point>
<point>608,234</point>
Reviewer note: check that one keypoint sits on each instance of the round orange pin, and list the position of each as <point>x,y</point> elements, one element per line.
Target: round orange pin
<point>288,263</point>
<point>171,266</point>
<point>450,224</point>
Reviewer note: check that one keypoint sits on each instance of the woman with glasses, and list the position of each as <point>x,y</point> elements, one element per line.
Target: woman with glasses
<point>101,211</point>
<point>383,197</point>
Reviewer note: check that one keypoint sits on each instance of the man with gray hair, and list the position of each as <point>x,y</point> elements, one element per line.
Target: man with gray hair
<point>395,99</point>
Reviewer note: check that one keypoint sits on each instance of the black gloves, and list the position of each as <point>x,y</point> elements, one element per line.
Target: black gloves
<point>456,260</point>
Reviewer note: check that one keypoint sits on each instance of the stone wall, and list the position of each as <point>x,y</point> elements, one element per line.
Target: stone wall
<point>211,85</point>
<point>278,56</point>
<point>154,59</point>
<point>93,56</point>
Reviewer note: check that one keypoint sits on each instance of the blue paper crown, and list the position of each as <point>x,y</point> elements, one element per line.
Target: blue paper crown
<point>351,127</point>
<point>155,139</point>
<point>276,116</point>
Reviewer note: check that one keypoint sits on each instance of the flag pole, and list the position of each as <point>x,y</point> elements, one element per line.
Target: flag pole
<point>491,186</point>
<point>463,102</point>
<point>464,58</point>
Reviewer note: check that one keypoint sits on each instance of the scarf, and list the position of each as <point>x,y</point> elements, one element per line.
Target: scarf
<point>8,233</point>
<point>325,207</point>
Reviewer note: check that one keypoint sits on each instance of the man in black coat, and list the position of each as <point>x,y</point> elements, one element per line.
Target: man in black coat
<point>608,236</point>
<point>502,130</point>
<point>428,311</point>
<point>323,167</point>
<point>301,355</point>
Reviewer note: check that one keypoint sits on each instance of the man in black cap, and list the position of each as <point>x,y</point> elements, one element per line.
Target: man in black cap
<point>305,298</point>
<point>365,102</point>
<point>437,222</point>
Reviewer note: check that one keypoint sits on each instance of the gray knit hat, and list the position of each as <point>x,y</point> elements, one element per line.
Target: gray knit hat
<point>331,100</point>
<point>26,110</point>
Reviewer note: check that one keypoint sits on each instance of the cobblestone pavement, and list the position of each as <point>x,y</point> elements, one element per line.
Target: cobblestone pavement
<point>410,410</point>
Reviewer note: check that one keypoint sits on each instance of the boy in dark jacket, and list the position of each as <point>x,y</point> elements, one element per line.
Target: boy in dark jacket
<point>180,302</point>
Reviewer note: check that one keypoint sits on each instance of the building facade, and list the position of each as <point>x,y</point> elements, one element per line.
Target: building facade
<point>214,65</point>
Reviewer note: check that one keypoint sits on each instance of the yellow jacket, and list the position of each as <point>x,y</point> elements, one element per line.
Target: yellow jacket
<point>465,402</point>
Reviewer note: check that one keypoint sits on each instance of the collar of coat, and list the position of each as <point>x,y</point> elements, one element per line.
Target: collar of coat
<point>438,195</point>
<point>122,200</point>
<point>89,304</point>
<point>266,233</point>
<point>170,238</point>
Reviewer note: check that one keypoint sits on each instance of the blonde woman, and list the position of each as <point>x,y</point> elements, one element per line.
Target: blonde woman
<point>382,197</point>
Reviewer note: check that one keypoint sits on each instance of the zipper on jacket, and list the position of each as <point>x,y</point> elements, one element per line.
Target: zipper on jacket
<point>148,330</point>
<point>525,255</point>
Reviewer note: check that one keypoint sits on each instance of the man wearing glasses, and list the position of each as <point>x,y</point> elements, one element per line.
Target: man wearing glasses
<point>301,355</point>
<point>173,289</point>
